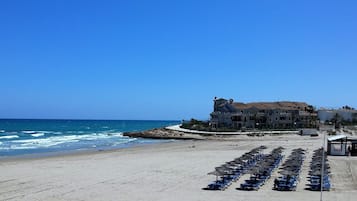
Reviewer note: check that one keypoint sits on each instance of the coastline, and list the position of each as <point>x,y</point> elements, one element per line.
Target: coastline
<point>83,153</point>
<point>74,153</point>
<point>158,171</point>
<point>164,133</point>
<point>32,136</point>
<point>175,132</point>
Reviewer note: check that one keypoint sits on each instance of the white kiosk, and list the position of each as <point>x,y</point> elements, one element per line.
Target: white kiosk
<point>337,145</point>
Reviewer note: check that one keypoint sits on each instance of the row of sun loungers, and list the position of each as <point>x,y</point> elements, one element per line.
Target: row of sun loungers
<point>290,171</point>
<point>260,167</point>
<point>263,170</point>
<point>315,171</point>
<point>232,170</point>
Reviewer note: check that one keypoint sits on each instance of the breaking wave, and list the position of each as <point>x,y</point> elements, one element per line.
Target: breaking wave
<point>66,140</point>
<point>38,134</point>
<point>19,137</point>
<point>9,137</point>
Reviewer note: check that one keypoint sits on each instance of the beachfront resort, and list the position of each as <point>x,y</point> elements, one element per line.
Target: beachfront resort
<point>262,115</point>
<point>276,115</point>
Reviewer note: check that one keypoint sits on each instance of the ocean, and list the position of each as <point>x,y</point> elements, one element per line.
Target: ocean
<point>23,137</point>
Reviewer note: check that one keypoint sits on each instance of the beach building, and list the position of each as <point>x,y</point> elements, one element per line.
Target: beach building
<point>262,115</point>
<point>341,145</point>
<point>337,145</point>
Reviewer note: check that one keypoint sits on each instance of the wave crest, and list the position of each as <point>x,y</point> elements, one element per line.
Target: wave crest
<point>9,137</point>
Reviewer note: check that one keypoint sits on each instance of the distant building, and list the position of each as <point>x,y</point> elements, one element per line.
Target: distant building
<point>262,115</point>
<point>339,115</point>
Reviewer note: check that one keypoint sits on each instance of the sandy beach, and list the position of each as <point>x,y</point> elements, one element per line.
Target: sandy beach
<point>163,172</point>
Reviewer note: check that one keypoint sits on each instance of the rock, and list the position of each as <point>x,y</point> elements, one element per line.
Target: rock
<point>163,134</point>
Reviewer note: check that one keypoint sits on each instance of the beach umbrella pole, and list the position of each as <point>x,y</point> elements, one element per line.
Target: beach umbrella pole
<point>322,167</point>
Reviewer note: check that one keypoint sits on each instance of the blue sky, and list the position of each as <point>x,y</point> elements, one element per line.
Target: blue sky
<point>168,59</point>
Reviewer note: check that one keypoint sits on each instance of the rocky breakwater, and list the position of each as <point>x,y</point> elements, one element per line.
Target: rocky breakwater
<point>162,133</point>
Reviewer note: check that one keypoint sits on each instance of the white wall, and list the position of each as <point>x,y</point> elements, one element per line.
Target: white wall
<point>338,149</point>
<point>327,115</point>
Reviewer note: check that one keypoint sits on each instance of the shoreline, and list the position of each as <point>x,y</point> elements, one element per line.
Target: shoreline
<point>163,136</point>
<point>157,171</point>
<point>144,146</point>
<point>74,153</point>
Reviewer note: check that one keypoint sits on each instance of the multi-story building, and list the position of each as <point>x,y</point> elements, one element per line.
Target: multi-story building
<point>262,115</point>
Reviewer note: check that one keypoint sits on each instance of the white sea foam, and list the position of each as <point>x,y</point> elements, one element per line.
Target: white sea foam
<point>124,141</point>
<point>9,137</point>
<point>99,136</point>
<point>37,134</point>
<point>42,143</point>
<point>58,140</point>
<point>34,132</point>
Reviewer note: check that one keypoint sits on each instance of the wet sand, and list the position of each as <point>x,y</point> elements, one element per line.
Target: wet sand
<point>163,172</point>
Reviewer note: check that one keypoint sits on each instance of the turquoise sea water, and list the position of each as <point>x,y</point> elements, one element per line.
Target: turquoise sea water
<point>19,137</point>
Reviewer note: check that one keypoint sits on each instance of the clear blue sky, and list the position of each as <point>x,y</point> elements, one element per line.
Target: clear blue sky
<point>167,59</point>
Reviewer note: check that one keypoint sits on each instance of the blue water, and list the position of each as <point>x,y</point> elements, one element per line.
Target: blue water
<point>19,137</point>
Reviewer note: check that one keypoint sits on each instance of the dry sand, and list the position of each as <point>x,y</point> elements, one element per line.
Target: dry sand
<point>167,172</point>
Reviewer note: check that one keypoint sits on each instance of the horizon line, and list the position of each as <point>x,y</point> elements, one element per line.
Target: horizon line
<point>74,119</point>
